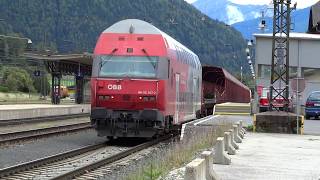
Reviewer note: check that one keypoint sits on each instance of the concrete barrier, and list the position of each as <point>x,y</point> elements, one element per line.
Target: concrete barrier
<point>221,157</point>
<point>196,170</point>
<point>240,133</point>
<point>241,127</point>
<point>210,173</point>
<point>236,134</point>
<point>227,144</point>
<point>233,143</point>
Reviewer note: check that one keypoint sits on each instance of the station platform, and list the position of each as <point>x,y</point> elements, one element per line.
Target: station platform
<point>233,109</point>
<point>28,111</point>
<point>217,120</point>
<point>274,156</point>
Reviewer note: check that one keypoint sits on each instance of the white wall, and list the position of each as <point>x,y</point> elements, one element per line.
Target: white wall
<point>304,53</point>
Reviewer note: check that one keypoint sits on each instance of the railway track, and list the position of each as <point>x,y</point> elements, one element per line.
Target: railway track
<point>70,165</point>
<point>14,137</point>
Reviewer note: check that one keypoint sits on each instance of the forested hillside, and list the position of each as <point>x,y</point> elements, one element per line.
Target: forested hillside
<point>74,25</point>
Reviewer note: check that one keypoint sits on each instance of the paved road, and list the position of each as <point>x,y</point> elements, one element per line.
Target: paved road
<point>312,127</point>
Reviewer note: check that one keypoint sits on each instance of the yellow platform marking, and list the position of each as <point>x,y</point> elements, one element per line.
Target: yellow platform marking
<point>234,104</point>
<point>254,122</point>
<point>230,113</point>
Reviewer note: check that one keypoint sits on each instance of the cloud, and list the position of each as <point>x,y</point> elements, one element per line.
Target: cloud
<point>301,3</point>
<point>191,1</point>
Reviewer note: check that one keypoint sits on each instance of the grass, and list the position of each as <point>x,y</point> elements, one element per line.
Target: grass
<point>178,154</point>
<point>18,96</point>
<point>249,128</point>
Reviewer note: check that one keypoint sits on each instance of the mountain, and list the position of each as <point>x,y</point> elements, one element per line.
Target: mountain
<point>300,20</point>
<point>246,18</point>
<point>74,25</point>
<point>228,12</point>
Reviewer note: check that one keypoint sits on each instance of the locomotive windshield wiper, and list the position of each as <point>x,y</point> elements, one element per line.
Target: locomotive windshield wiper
<point>103,62</point>
<point>149,58</point>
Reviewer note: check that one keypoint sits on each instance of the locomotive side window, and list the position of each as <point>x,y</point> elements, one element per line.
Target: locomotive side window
<point>168,68</point>
<point>171,75</point>
<point>163,68</point>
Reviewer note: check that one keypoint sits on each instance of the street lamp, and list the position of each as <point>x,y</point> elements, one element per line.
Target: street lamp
<point>249,54</point>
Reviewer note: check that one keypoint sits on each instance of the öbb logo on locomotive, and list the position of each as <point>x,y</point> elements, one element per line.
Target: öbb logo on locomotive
<point>114,87</point>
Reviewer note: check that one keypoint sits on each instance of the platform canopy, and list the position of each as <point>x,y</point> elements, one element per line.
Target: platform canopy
<point>85,58</point>
<point>66,64</point>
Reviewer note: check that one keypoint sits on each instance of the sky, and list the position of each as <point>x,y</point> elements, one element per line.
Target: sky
<point>301,3</point>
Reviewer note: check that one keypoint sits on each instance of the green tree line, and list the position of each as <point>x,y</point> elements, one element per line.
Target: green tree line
<point>74,25</point>
<point>67,26</point>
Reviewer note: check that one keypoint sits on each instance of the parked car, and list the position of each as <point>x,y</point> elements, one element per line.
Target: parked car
<point>264,101</point>
<point>313,105</point>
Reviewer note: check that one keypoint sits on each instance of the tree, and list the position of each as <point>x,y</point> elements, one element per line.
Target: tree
<point>17,79</point>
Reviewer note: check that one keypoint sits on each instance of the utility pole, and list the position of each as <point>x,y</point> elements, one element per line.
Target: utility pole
<point>279,85</point>
<point>279,82</point>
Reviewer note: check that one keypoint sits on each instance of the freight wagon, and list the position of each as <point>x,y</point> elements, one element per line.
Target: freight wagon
<point>219,86</point>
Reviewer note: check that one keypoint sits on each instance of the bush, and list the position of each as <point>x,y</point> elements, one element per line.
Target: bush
<point>4,89</point>
<point>249,128</point>
<point>17,79</point>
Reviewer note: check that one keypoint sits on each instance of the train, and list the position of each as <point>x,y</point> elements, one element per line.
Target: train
<point>219,86</point>
<point>144,83</point>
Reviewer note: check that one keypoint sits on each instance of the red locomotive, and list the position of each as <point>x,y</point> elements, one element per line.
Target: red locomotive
<point>143,81</point>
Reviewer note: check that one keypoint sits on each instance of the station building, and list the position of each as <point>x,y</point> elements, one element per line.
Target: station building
<point>304,53</point>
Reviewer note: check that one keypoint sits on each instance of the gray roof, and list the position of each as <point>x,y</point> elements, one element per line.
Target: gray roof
<point>137,26</point>
<point>293,35</point>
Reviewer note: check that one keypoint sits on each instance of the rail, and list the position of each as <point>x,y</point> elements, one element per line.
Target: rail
<point>108,160</point>
<point>40,162</point>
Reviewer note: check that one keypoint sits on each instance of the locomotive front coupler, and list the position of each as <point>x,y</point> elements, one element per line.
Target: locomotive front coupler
<point>125,118</point>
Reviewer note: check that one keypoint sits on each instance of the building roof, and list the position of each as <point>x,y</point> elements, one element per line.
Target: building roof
<point>293,35</point>
<point>85,58</point>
